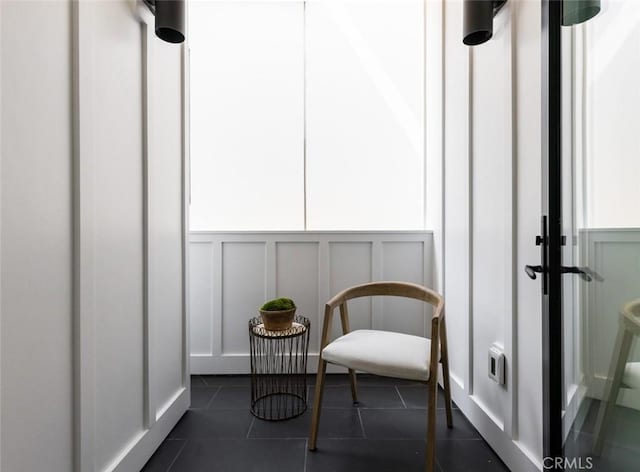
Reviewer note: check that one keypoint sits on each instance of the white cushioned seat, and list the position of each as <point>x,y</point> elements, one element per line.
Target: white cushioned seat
<point>631,375</point>
<point>382,353</point>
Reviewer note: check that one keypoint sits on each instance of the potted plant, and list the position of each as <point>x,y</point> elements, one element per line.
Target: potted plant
<point>277,314</point>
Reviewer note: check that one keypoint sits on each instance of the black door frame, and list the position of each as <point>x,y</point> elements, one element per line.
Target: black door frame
<point>552,240</point>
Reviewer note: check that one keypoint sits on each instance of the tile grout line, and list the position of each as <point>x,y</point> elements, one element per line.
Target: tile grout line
<point>371,408</point>
<point>212,398</point>
<point>224,384</point>
<point>400,395</point>
<point>382,396</point>
<point>364,436</point>
<point>251,427</point>
<point>204,380</point>
<point>306,453</point>
<point>177,455</point>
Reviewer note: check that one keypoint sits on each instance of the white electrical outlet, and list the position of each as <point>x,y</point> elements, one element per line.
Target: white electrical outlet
<point>496,364</point>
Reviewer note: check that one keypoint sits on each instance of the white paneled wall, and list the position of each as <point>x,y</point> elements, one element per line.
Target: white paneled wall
<point>614,256</point>
<point>36,380</point>
<point>132,375</point>
<point>232,274</point>
<point>492,185</point>
<point>166,215</point>
<point>94,364</point>
<point>116,227</point>
<point>491,215</point>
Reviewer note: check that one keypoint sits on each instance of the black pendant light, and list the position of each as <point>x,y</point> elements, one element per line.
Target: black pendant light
<point>578,11</point>
<point>170,20</point>
<point>478,20</point>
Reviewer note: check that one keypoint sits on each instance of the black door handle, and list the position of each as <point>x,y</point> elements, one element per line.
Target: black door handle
<point>531,271</point>
<point>576,270</point>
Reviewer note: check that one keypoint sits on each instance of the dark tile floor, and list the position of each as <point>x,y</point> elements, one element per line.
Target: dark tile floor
<point>621,451</point>
<point>384,432</point>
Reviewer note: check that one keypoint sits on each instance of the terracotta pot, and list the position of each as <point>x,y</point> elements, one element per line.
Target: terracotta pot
<point>278,320</point>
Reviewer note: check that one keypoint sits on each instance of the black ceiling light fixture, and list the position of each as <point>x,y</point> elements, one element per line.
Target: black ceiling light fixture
<point>477,26</point>
<point>170,19</point>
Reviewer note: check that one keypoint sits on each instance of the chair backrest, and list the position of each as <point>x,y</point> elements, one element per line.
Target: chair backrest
<point>396,289</point>
<point>631,316</point>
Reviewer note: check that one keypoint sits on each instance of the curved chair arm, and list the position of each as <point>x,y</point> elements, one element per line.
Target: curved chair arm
<point>398,289</point>
<point>631,316</point>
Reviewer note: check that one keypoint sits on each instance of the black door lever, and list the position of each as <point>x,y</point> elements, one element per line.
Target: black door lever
<point>576,270</point>
<point>531,271</point>
<point>542,240</point>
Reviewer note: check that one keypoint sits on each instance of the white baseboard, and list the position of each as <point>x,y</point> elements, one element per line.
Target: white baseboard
<point>239,364</point>
<point>142,447</point>
<point>627,397</point>
<point>510,451</point>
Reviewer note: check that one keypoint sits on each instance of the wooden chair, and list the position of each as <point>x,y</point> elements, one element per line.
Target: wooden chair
<point>387,353</point>
<point>620,370</point>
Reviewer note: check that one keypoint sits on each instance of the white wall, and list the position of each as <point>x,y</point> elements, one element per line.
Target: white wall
<point>365,115</point>
<point>93,366</point>
<point>247,113</point>
<point>291,92</point>
<point>233,274</point>
<point>492,185</point>
<point>36,252</point>
<point>614,256</point>
<point>609,70</point>
<point>599,103</point>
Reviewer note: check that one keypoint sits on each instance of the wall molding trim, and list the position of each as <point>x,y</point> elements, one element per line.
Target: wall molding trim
<point>510,450</point>
<point>158,416</point>
<point>83,265</point>
<point>481,223</point>
<point>308,266</point>
<point>138,451</point>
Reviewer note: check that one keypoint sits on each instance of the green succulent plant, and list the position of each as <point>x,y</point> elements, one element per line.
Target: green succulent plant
<point>278,304</point>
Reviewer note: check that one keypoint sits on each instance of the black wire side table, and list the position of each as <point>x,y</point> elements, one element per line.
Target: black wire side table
<point>279,370</point>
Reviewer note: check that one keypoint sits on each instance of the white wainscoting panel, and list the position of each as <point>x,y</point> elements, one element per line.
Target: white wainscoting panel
<point>165,233</point>
<point>201,294</point>
<point>232,274</point>
<point>36,382</point>
<point>350,263</point>
<point>243,289</point>
<point>118,270</point>
<point>492,221</point>
<point>406,261</point>
<point>614,256</point>
<point>130,322</point>
<point>298,275</point>
<point>492,136</point>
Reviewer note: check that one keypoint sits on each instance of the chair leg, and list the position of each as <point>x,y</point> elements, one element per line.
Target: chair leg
<point>612,388</point>
<point>344,320</point>
<point>431,426</point>
<point>444,361</point>
<point>354,385</point>
<point>317,404</point>
<point>447,395</point>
